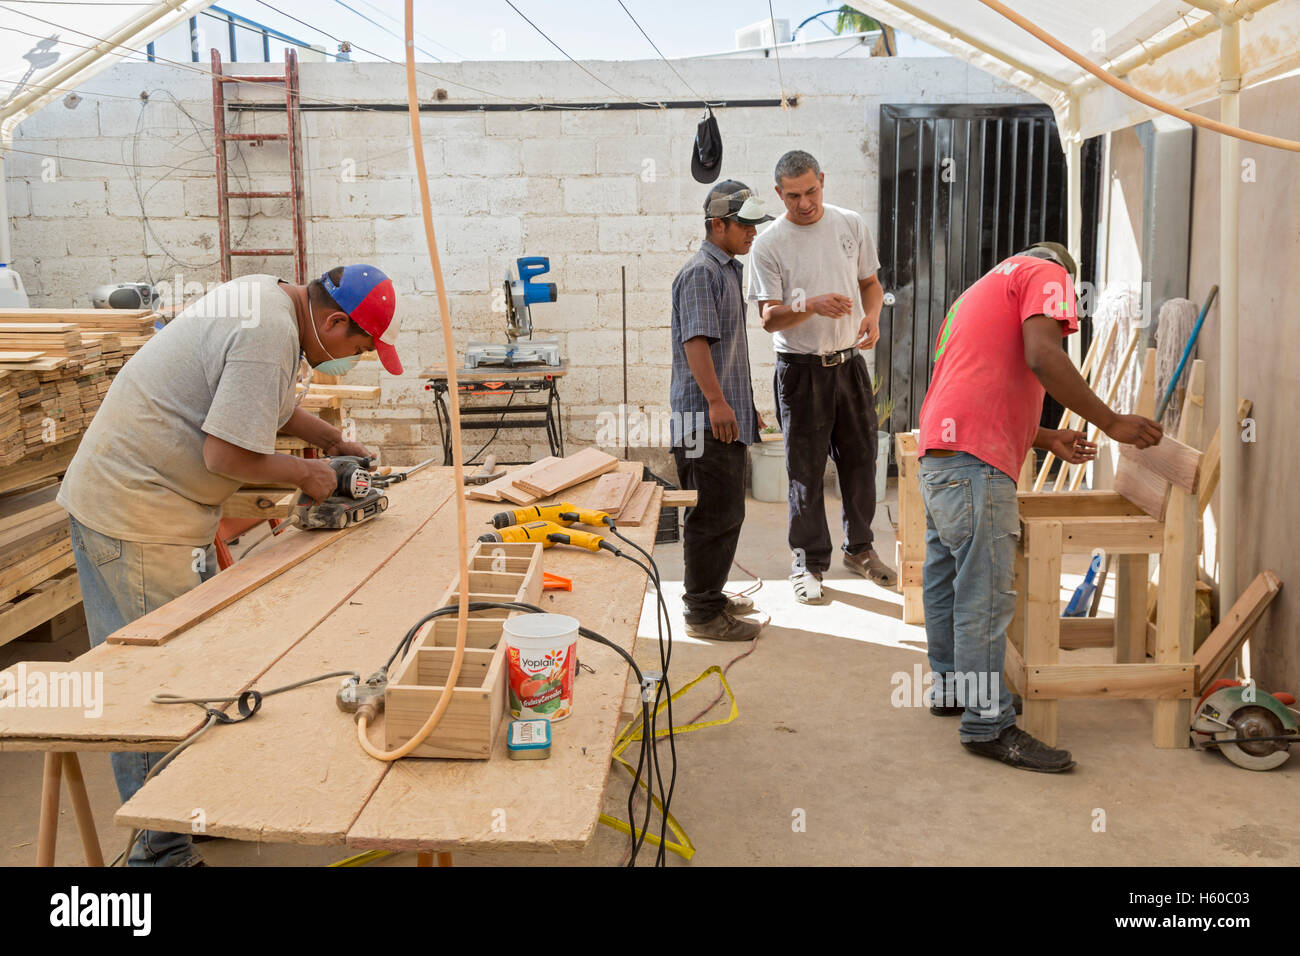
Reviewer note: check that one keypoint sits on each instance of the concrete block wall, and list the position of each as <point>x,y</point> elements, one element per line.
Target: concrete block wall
<point>601,192</point>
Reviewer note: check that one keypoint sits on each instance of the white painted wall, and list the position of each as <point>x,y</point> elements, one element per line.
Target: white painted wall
<point>594,191</point>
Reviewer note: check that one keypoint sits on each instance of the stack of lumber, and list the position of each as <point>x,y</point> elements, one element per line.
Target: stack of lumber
<point>55,367</point>
<point>37,582</point>
<point>542,479</point>
<point>623,496</point>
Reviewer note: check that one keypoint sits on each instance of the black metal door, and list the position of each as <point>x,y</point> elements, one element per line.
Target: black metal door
<point>961,188</point>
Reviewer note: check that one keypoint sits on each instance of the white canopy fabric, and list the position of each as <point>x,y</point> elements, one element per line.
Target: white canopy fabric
<point>1167,48</point>
<point>40,61</point>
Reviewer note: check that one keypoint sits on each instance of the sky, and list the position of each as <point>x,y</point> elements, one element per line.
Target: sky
<point>491,30</point>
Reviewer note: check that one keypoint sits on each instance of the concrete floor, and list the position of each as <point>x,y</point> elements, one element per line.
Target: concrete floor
<point>821,768</point>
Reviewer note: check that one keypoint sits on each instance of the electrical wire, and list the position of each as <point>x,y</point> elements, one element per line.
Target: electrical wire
<point>422,36</point>
<point>382,27</point>
<point>661,55</point>
<point>571,59</point>
<point>500,421</point>
<point>776,52</point>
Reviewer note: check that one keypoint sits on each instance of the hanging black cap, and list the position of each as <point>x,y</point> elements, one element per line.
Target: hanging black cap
<point>706,156</point>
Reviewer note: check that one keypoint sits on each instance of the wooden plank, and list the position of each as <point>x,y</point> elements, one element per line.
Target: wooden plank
<point>50,363</point>
<point>1172,460</point>
<point>643,502</point>
<point>1079,632</point>
<point>352,393</point>
<point>93,316</point>
<point>574,469</point>
<point>1042,622</point>
<point>610,492</point>
<point>38,534</point>
<point>19,509</point>
<point>259,504</point>
<point>52,461</point>
<point>498,489</point>
<point>19,357</point>
<point>1131,608</point>
<point>1224,640</point>
<point>46,600</point>
<point>1166,682</point>
<point>1213,456</point>
<point>1176,627</point>
<point>1075,504</point>
<point>227,652</point>
<point>174,617</point>
<point>676,498</point>
<point>37,328</point>
<point>31,571</point>
<point>1125,535</point>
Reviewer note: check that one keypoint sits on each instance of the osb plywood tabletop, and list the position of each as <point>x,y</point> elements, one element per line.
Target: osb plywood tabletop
<point>295,773</point>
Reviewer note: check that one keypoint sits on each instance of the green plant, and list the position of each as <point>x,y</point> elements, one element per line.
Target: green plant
<point>853,20</point>
<point>884,406</point>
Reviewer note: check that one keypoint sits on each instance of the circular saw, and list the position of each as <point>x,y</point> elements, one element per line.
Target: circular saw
<point>1252,728</point>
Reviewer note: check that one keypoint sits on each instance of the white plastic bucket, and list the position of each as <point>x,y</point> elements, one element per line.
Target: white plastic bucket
<point>541,661</point>
<point>768,479</point>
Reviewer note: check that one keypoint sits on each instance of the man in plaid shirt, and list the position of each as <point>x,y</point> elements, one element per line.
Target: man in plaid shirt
<point>714,417</point>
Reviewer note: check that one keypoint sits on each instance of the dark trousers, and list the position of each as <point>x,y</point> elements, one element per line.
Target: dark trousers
<point>827,410</point>
<point>716,470</point>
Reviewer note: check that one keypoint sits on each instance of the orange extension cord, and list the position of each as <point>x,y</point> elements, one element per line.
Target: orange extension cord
<point>462,608</point>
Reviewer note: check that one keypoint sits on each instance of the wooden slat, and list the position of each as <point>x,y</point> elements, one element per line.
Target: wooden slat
<point>51,461</point>
<point>1235,627</point>
<point>1147,681</point>
<point>1079,632</point>
<point>1042,622</point>
<point>572,470</point>
<point>1172,460</point>
<point>675,498</point>
<point>1074,504</point>
<point>37,328</point>
<point>48,599</point>
<point>610,492</point>
<point>503,488</point>
<point>39,567</point>
<point>20,509</point>
<point>174,617</point>
<point>258,504</point>
<point>354,393</point>
<point>19,357</point>
<point>633,516</point>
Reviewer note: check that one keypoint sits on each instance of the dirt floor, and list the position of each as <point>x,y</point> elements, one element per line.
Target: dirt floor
<point>820,767</point>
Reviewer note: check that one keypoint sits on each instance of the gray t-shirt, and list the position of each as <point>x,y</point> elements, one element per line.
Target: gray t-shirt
<point>226,366</point>
<point>831,255</point>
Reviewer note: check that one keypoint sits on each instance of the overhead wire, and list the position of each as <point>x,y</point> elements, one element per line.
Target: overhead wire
<point>776,52</point>
<point>422,36</point>
<point>660,52</point>
<point>382,27</point>
<point>571,59</point>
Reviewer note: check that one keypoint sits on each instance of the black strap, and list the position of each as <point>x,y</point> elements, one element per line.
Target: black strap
<point>245,710</point>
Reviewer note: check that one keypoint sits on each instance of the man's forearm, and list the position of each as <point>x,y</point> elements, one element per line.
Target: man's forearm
<point>252,467</point>
<point>1043,439</point>
<point>311,429</point>
<point>1064,383</point>
<point>778,318</point>
<point>873,298</point>
<point>700,359</point>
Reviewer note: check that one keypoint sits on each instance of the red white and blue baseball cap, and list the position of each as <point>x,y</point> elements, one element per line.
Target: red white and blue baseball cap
<point>368,297</point>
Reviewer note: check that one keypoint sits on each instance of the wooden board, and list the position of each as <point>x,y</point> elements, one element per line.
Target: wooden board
<point>676,498</point>
<point>270,561</point>
<point>37,328</point>
<point>22,508</point>
<point>19,357</point>
<point>355,393</point>
<point>263,785</point>
<point>90,316</point>
<point>259,504</point>
<point>52,461</point>
<point>633,514</point>
<point>1145,681</point>
<point>50,363</point>
<point>611,492</point>
<point>226,653</point>
<point>574,469</point>
<point>46,600</point>
<point>31,571</point>
<point>1235,627</point>
<point>498,490</point>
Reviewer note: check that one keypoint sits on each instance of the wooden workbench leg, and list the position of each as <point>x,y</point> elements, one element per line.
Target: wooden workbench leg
<point>1042,622</point>
<point>1013,669</point>
<point>81,808</point>
<point>444,859</point>
<point>49,828</point>
<point>1131,609</point>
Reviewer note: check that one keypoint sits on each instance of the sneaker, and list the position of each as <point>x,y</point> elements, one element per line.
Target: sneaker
<point>724,627</point>
<point>807,587</point>
<point>869,565</point>
<point>1022,751</point>
<point>739,604</point>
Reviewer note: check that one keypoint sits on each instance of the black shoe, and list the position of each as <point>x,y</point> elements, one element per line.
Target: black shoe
<point>939,711</point>
<point>1022,751</point>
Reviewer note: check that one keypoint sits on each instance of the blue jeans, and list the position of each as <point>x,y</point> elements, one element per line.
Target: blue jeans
<point>120,582</point>
<point>972,524</point>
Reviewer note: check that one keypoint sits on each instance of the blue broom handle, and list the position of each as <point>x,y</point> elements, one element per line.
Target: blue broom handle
<point>1187,350</point>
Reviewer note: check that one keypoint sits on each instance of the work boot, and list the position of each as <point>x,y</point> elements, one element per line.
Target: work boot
<point>1022,751</point>
<point>724,627</point>
<point>869,565</point>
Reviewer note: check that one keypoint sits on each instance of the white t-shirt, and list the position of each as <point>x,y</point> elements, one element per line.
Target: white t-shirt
<point>831,255</point>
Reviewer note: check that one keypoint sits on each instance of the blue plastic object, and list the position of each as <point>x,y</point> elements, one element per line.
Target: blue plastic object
<point>1082,597</point>
<point>530,267</point>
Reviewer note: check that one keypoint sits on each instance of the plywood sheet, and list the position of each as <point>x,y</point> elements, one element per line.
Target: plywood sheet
<point>225,653</point>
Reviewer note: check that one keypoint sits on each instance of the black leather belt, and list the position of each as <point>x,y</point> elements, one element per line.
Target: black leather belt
<point>827,360</point>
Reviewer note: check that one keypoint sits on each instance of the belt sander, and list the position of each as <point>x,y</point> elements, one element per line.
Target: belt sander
<point>358,496</point>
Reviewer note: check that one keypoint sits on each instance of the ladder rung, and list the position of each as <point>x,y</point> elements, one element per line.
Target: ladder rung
<point>253,136</point>
<point>261,252</point>
<point>259,195</point>
<point>251,79</point>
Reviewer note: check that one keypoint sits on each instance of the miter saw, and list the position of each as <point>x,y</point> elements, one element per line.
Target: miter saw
<point>1252,728</point>
<point>520,294</point>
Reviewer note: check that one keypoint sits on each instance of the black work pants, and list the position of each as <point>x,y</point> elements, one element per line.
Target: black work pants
<point>827,410</point>
<point>716,470</point>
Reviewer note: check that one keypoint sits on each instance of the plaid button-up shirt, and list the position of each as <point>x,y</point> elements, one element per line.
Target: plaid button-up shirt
<point>708,300</point>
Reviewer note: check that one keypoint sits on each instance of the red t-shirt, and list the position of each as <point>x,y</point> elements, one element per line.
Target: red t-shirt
<point>983,399</point>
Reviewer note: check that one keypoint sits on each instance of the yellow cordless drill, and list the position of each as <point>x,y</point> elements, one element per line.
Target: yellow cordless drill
<point>562,514</point>
<point>548,533</point>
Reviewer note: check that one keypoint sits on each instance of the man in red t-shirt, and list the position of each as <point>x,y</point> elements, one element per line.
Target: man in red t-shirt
<point>998,350</point>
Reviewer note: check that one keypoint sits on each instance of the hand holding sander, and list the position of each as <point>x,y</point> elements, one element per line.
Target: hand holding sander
<point>358,496</point>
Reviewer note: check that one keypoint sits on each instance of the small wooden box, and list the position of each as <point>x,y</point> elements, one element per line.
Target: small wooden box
<point>497,572</point>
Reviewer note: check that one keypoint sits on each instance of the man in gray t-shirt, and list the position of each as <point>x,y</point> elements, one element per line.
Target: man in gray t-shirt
<point>813,274</point>
<point>192,416</point>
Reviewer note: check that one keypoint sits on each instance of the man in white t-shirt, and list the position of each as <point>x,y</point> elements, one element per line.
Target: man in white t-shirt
<point>813,273</point>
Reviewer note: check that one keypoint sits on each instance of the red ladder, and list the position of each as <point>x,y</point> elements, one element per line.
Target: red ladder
<point>294,137</point>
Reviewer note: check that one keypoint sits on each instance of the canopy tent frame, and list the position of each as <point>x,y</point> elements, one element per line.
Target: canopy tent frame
<point>1075,119</point>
